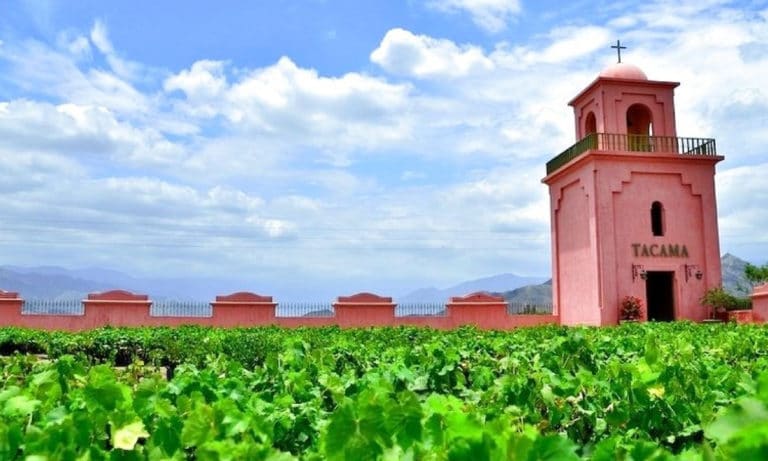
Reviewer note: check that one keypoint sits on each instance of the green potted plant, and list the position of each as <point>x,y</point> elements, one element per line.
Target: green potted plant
<point>631,309</point>
<point>717,300</point>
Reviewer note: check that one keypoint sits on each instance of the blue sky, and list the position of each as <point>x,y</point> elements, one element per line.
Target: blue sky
<point>360,145</point>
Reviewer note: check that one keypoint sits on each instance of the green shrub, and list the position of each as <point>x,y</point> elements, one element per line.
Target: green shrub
<point>720,300</point>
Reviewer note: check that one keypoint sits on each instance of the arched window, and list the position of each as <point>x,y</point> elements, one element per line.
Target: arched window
<point>657,219</point>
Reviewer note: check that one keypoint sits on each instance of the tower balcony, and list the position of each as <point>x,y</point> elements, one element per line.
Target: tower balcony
<point>634,143</point>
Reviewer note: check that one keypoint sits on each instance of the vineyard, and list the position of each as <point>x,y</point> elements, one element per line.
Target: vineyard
<point>637,391</point>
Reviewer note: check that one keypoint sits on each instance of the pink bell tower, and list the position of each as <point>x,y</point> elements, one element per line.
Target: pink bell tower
<point>632,205</point>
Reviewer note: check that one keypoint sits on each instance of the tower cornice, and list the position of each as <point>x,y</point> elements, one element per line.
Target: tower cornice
<point>611,81</point>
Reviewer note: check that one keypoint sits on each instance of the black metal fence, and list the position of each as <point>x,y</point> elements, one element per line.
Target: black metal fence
<point>305,309</point>
<point>519,308</point>
<point>634,143</point>
<point>173,308</point>
<point>420,310</point>
<point>53,307</point>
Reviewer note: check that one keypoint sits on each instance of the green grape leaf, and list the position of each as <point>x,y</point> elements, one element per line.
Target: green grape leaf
<point>552,448</point>
<point>404,420</point>
<point>20,405</point>
<point>10,440</point>
<point>342,427</point>
<point>547,395</point>
<point>742,415</point>
<point>198,427</point>
<point>125,438</point>
<point>462,449</point>
<point>167,435</point>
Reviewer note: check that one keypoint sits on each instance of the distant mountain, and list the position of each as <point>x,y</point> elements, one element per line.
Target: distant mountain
<point>48,283</point>
<point>52,282</point>
<point>91,275</point>
<point>320,313</point>
<point>537,295</point>
<point>496,283</point>
<point>59,283</point>
<point>734,280</point>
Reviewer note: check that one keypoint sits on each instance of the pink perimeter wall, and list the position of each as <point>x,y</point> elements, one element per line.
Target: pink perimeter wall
<point>760,303</point>
<point>123,309</point>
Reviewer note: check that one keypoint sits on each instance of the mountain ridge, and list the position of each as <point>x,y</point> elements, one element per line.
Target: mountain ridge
<point>493,283</point>
<point>54,282</point>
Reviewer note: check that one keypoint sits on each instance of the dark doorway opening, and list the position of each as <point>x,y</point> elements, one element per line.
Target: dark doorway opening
<point>660,293</point>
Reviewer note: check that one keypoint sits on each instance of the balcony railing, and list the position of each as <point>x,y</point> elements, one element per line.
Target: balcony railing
<point>633,143</point>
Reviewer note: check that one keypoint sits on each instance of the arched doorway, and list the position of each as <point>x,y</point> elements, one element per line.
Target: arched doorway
<point>639,128</point>
<point>590,130</point>
<point>590,124</point>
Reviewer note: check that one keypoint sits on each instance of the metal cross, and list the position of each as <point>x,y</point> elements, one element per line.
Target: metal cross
<point>619,48</point>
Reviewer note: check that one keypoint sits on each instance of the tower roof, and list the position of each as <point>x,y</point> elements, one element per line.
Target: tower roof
<point>622,73</point>
<point>623,70</point>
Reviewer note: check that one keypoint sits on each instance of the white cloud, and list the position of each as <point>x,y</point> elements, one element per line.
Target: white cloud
<point>83,132</point>
<point>100,39</point>
<point>22,171</point>
<point>123,68</point>
<point>150,195</point>
<point>297,204</point>
<point>623,22</point>
<point>203,84</point>
<point>500,187</point>
<point>434,171</point>
<point>233,199</point>
<point>274,228</point>
<point>403,53</point>
<point>742,194</point>
<point>37,68</point>
<point>203,81</point>
<point>284,87</point>
<point>571,43</point>
<point>491,15</point>
<point>78,46</point>
<point>147,211</point>
<point>295,106</point>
